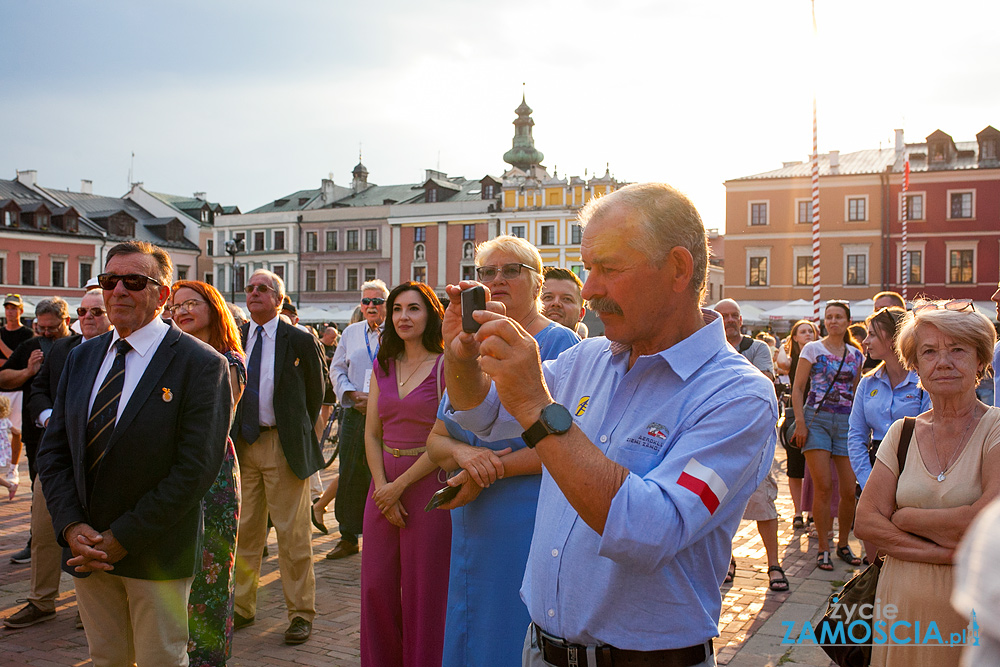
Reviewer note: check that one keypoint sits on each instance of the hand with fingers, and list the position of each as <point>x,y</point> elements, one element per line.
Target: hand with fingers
<point>468,492</point>
<point>482,464</point>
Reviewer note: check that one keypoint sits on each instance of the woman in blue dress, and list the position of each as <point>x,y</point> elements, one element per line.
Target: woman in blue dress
<point>493,516</point>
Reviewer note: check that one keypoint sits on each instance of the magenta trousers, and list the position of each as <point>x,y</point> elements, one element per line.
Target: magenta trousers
<point>404,577</point>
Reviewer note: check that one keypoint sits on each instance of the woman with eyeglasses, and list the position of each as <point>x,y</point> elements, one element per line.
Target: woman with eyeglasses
<point>493,517</point>
<point>198,309</point>
<point>404,567</point>
<point>831,367</point>
<point>951,471</point>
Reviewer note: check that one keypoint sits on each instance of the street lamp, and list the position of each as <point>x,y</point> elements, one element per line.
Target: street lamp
<point>234,247</point>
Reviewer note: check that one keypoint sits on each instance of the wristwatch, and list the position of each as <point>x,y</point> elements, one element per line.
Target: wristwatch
<point>554,420</point>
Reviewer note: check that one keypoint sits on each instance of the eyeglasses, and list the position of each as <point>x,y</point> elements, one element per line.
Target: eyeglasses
<point>133,282</point>
<point>95,312</point>
<point>260,289</point>
<point>188,305</point>
<point>52,329</point>
<point>956,305</point>
<point>373,301</point>
<point>510,271</point>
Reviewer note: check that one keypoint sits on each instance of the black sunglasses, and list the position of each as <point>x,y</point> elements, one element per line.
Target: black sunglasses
<point>96,312</point>
<point>370,301</point>
<point>133,282</point>
<point>260,289</point>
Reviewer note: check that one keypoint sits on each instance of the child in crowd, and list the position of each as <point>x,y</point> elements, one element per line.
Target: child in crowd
<point>8,458</point>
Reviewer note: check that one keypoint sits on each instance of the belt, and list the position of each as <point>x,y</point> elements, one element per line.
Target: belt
<point>561,653</point>
<point>265,429</point>
<point>416,451</point>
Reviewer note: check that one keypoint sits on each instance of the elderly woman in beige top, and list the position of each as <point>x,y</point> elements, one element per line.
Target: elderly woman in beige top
<point>951,471</point>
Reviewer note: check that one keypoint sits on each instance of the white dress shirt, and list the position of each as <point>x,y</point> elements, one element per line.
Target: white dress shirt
<point>266,400</point>
<point>144,343</point>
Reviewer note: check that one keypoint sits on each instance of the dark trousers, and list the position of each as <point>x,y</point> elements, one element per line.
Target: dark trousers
<point>355,478</point>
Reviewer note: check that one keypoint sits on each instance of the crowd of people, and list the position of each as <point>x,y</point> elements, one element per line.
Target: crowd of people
<point>525,493</point>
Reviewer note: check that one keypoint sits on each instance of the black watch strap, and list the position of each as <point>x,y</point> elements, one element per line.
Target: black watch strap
<point>554,420</point>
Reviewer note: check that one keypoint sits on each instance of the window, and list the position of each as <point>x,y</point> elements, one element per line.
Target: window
<point>914,207</point>
<point>240,236</point>
<point>331,240</point>
<point>311,238</point>
<point>310,280</point>
<point>915,276</point>
<point>420,274</point>
<point>182,273</point>
<point>575,234</point>
<point>371,239</point>
<point>369,274</point>
<point>758,213</point>
<point>27,272</point>
<point>469,231</point>
<point>86,272</point>
<point>468,273</point>
<point>803,270</point>
<point>988,150</point>
<point>59,274</point>
<point>204,215</point>
<point>489,191</point>
<point>279,239</point>
<point>857,209</point>
<point>420,234</point>
<point>209,278</point>
<point>518,231</point>
<point>432,195</point>
<point>9,219</point>
<point>241,278</point>
<point>258,241</point>
<point>857,273</point>
<point>352,239</point>
<point>758,272</point>
<point>331,280</point>
<point>548,235</point>
<point>803,215</point>
<point>209,247</point>
<point>352,279</point>
<point>961,205</point>
<point>960,266</point>
<point>279,270</point>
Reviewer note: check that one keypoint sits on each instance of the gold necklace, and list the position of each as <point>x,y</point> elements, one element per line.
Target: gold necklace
<point>422,362</point>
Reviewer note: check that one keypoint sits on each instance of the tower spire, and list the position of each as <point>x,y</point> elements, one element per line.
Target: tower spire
<point>523,153</point>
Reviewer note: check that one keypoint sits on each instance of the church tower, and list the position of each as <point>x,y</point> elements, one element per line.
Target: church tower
<point>523,154</point>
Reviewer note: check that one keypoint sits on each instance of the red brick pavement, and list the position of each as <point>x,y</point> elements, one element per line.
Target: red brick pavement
<point>747,605</point>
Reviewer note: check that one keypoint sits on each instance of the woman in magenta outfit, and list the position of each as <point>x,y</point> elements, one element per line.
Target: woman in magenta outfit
<point>404,565</point>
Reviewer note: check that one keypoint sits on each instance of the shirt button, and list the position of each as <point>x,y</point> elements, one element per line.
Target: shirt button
<point>604,438</point>
<point>552,612</point>
<point>555,552</point>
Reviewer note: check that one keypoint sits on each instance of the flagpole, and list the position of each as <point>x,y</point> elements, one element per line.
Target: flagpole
<point>905,267</point>
<point>815,190</point>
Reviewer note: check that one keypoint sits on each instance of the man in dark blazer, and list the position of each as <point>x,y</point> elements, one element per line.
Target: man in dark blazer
<point>135,440</point>
<point>46,554</point>
<point>278,450</point>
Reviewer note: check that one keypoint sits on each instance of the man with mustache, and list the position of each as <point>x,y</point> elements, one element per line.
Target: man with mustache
<point>652,441</point>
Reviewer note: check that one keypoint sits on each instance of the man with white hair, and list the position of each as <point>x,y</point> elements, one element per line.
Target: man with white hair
<point>351,373</point>
<point>278,450</point>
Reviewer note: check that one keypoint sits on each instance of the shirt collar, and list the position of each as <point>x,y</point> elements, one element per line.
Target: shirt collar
<point>270,327</point>
<point>693,352</point>
<point>142,340</point>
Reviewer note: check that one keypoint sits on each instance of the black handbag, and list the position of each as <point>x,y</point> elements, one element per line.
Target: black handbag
<point>843,610</point>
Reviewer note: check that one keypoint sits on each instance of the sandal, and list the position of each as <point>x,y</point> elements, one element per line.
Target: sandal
<point>779,585</point>
<point>731,574</point>
<point>823,561</point>
<point>798,523</point>
<point>845,554</point>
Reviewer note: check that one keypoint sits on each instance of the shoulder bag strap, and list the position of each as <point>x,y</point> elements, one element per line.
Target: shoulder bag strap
<point>438,373</point>
<point>833,381</point>
<point>904,442</point>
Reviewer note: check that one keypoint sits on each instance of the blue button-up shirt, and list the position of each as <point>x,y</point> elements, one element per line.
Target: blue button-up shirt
<point>354,359</point>
<point>695,411</point>
<point>877,404</point>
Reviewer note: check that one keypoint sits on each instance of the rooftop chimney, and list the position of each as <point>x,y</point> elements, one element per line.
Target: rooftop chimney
<point>327,189</point>
<point>199,195</point>
<point>900,146</point>
<point>27,177</point>
<point>86,186</point>
<point>835,162</point>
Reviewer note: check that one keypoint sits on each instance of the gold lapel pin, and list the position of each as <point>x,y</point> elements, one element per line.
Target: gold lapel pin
<point>167,396</point>
<point>296,361</point>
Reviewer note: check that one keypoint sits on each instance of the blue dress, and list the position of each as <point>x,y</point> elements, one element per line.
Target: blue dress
<point>490,538</point>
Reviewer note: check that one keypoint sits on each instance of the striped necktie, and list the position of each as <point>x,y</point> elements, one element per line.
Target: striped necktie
<point>104,414</point>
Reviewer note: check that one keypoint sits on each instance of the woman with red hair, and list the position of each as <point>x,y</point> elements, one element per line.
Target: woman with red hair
<point>198,309</point>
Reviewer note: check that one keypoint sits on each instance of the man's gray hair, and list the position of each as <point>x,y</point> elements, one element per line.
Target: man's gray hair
<point>375,284</point>
<point>54,306</point>
<point>667,219</point>
<point>277,284</point>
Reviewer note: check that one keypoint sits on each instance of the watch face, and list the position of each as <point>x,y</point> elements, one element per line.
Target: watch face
<point>557,418</point>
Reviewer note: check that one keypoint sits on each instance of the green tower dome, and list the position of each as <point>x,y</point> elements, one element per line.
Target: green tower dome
<point>523,153</point>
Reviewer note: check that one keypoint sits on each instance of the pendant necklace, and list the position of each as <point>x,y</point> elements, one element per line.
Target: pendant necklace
<point>958,450</point>
<point>415,369</point>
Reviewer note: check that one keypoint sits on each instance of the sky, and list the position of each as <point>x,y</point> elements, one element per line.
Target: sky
<point>251,100</point>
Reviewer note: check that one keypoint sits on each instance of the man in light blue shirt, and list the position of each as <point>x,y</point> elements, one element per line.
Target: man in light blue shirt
<point>665,433</point>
